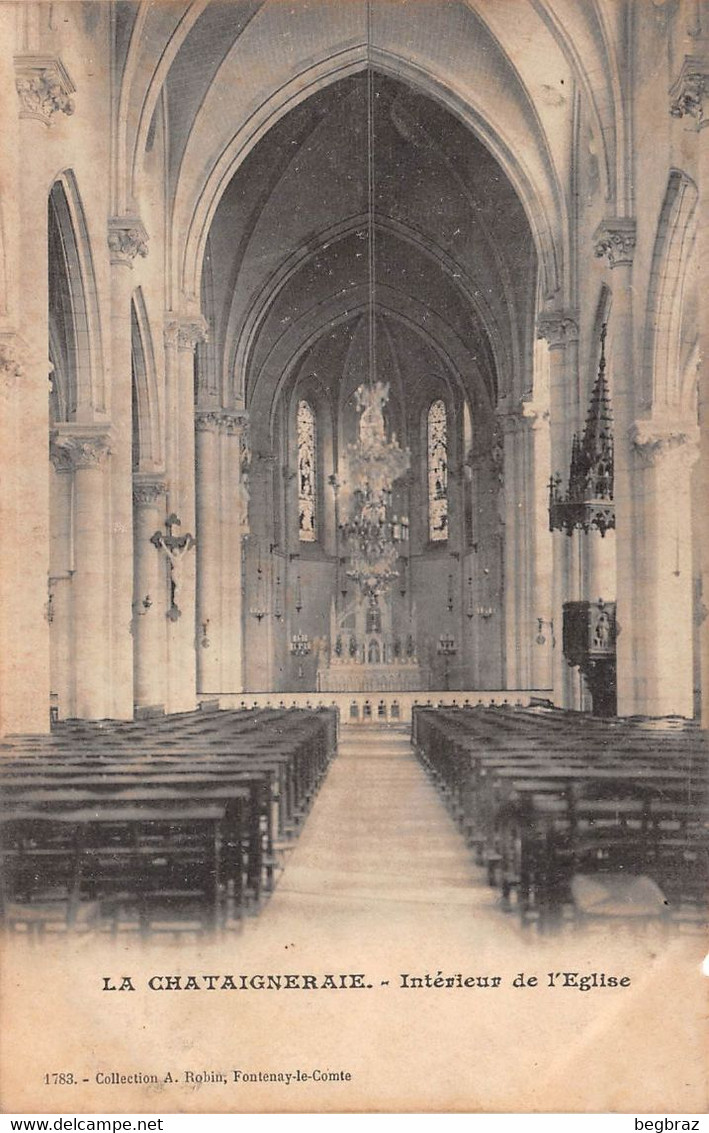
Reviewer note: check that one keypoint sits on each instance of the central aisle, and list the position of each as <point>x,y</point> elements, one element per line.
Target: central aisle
<point>381,884</point>
<point>380,853</point>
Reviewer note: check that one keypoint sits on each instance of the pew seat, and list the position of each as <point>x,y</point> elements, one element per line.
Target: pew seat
<point>545,797</point>
<point>170,824</point>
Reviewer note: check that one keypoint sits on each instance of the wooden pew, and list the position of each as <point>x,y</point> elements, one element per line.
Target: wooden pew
<point>543,795</point>
<point>140,852</point>
<point>261,768</point>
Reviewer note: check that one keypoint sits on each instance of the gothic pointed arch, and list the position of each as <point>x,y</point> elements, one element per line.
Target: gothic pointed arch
<point>503,359</point>
<point>543,207</point>
<point>669,293</point>
<point>147,432</point>
<point>75,328</point>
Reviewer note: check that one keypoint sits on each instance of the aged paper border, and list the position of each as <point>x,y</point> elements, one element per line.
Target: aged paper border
<point>512,1050</point>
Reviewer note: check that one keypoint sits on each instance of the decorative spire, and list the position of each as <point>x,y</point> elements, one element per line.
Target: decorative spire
<point>588,502</point>
<point>598,436</point>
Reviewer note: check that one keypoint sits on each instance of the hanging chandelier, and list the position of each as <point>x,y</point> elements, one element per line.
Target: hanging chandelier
<point>372,531</point>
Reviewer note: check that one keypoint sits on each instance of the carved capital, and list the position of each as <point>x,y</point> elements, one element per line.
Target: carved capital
<point>654,443</point>
<point>127,239</point>
<point>533,415</point>
<point>510,422</point>
<point>690,92</point>
<point>226,421</point>
<point>147,491</point>
<point>558,327</point>
<point>209,421</point>
<point>615,239</point>
<point>44,87</point>
<point>236,423</point>
<point>524,414</point>
<point>60,457</point>
<point>74,447</point>
<point>186,331</point>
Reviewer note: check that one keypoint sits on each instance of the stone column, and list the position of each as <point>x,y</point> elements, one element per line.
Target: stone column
<point>210,532</point>
<point>599,563</point>
<point>126,240</point>
<point>222,502</point>
<point>259,633</point>
<point>85,450</point>
<point>487,563</point>
<point>182,333</point>
<point>560,330</point>
<point>61,586</point>
<point>150,595</point>
<point>615,240</point>
<point>690,102</point>
<point>665,459</point>
<point>539,599</point>
<point>528,572</point>
<point>514,550</point>
<point>235,455</point>
<point>24,559</point>
<point>44,91</point>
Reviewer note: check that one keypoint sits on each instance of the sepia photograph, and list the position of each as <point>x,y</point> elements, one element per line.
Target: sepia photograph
<point>354,648</point>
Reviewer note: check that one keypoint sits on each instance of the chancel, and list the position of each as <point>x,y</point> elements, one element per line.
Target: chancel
<point>352,358</point>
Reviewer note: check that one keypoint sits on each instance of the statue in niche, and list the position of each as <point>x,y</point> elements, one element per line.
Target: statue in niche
<point>602,633</point>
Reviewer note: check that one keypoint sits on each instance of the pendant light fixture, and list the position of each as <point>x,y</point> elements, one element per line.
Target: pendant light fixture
<point>372,533</point>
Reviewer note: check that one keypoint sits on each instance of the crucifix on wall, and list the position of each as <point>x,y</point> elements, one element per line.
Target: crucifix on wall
<point>176,548</point>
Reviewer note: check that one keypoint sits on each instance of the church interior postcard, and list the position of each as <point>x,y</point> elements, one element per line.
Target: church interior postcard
<point>354,656</point>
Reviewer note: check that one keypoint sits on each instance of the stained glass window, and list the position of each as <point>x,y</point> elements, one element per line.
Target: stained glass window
<point>307,482</point>
<point>437,439</point>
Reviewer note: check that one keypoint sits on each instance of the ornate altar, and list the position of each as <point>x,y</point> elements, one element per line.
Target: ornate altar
<point>366,651</point>
<point>372,646</point>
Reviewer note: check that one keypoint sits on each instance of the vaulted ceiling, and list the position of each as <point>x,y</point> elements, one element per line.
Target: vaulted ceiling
<point>261,109</point>
<point>223,72</point>
<point>455,259</point>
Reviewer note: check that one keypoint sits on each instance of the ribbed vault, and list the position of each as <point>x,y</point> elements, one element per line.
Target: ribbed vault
<point>455,256</point>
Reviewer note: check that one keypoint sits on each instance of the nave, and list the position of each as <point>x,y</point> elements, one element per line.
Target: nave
<point>114,831</point>
<point>381,856</point>
<point>475,819</point>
